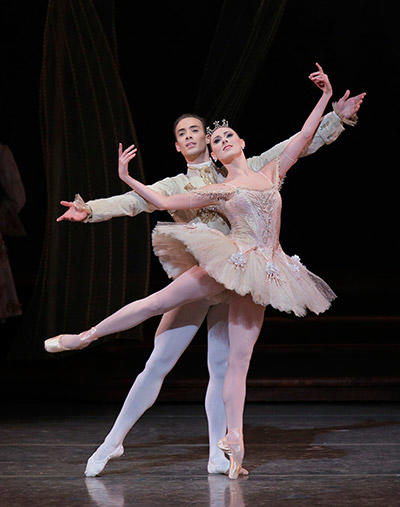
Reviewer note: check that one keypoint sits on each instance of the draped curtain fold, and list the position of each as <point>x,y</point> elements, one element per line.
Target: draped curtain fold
<point>237,52</point>
<point>87,271</point>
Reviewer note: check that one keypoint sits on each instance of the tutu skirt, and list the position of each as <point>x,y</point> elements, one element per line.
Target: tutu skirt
<point>277,280</point>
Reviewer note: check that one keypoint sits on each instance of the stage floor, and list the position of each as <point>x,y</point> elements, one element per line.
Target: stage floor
<point>297,454</point>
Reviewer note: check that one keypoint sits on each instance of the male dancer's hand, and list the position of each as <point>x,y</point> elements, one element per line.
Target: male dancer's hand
<point>348,106</point>
<point>72,214</point>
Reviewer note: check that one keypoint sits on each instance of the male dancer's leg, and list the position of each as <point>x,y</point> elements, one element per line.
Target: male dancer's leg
<point>175,331</point>
<point>193,285</point>
<point>218,353</point>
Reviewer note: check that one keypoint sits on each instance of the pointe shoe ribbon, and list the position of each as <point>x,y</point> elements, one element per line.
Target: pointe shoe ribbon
<point>96,466</point>
<point>235,468</point>
<point>55,344</point>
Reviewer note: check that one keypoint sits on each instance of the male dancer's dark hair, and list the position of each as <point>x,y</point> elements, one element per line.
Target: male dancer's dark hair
<point>189,115</point>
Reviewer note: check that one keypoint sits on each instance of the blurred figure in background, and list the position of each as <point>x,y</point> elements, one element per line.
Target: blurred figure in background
<point>12,200</point>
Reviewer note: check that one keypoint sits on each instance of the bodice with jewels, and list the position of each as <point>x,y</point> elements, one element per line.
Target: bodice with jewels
<point>254,216</point>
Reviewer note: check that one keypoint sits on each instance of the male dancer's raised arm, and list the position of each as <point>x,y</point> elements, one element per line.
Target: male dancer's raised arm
<point>330,128</point>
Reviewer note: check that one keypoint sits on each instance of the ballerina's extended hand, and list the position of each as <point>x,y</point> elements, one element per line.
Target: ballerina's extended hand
<point>321,79</point>
<point>124,157</point>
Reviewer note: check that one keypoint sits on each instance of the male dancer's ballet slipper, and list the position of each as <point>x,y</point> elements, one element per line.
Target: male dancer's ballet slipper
<point>213,468</point>
<point>96,466</point>
<point>235,468</point>
<point>55,344</point>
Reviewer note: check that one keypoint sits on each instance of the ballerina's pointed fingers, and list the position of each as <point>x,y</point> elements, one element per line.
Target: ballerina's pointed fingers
<point>319,67</point>
<point>120,149</point>
<point>126,157</point>
<point>129,148</point>
<point>130,157</point>
<point>318,81</point>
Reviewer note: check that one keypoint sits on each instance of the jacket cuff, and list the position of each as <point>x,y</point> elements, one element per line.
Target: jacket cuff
<point>80,205</point>
<point>352,121</point>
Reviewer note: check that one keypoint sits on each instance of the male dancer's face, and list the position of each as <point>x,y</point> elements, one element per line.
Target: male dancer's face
<point>191,140</point>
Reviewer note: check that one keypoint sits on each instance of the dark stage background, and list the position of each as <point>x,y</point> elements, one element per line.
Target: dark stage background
<point>340,205</point>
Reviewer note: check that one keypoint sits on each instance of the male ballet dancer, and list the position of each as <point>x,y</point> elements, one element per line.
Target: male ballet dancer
<point>178,327</point>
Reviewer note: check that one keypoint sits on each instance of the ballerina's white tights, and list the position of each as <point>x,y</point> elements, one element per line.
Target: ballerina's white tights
<point>245,320</point>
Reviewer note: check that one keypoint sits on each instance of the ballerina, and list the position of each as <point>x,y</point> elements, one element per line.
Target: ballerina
<point>249,262</point>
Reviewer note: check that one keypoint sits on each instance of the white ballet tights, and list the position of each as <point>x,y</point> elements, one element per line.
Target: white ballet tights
<point>176,330</point>
<point>217,360</point>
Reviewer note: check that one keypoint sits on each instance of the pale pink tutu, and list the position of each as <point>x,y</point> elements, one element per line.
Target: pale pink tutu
<point>280,281</point>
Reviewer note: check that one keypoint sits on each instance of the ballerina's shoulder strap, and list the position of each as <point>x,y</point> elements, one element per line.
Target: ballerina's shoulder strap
<point>277,180</point>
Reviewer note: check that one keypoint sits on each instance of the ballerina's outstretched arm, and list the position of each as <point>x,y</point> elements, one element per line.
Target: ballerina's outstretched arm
<point>294,149</point>
<point>162,202</point>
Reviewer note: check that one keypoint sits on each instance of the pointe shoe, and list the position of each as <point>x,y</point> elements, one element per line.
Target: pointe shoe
<point>235,468</point>
<point>55,344</point>
<point>96,466</point>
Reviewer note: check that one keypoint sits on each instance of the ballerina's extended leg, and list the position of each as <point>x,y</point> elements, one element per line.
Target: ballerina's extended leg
<point>191,286</point>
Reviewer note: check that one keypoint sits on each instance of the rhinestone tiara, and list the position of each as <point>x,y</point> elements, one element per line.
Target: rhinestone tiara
<point>217,125</point>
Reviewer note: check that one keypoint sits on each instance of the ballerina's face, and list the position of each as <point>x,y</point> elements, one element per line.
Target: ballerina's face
<point>190,138</point>
<point>226,144</point>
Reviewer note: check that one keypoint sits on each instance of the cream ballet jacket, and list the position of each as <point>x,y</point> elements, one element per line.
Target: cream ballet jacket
<point>131,204</point>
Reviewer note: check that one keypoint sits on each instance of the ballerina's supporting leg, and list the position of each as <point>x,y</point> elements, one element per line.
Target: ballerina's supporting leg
<point>245,321</point>
<point>193,285</point>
